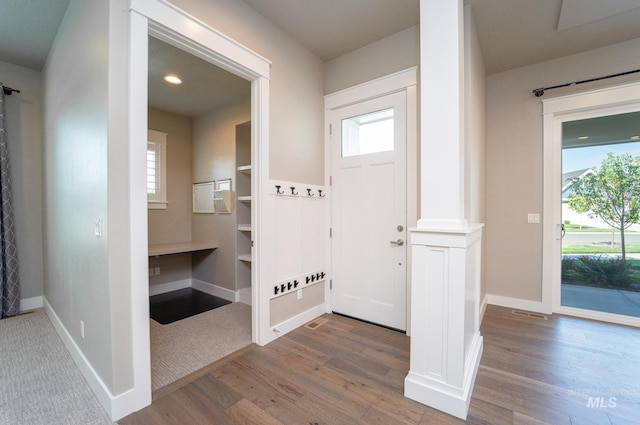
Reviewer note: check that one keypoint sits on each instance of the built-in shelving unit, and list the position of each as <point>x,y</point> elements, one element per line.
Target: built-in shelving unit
<point>243,207</point>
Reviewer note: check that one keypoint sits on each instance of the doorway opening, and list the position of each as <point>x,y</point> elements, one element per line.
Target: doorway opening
<point>370,147</point>
<point>170,25</point>
<point>197,313</point>
<point>577,238</point>
<point>600,214</point>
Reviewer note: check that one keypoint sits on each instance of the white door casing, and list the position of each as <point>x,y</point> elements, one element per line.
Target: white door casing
<point>369,218</point>
<point>556,111</point>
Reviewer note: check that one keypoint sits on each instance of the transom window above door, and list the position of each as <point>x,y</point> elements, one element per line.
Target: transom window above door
<point>368,133</point>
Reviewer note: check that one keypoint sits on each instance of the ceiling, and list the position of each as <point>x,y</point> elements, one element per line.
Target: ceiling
<point>512,33</point>
<point>204,87</point>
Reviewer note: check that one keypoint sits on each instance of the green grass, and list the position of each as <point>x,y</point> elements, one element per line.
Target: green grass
<point>577,228</point>
<point>600,249</point>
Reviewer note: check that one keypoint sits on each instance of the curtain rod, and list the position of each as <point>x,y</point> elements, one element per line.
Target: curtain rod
<point>540,91</point>
<point>8,90</point>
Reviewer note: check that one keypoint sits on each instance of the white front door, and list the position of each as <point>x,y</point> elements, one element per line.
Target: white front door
<point>369,210</point>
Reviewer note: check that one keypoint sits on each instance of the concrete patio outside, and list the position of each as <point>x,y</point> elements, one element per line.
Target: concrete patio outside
<point>601,299</point>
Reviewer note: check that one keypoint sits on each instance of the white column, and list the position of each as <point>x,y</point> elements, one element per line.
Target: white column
<point>442,113</point>
<point>446,344</point>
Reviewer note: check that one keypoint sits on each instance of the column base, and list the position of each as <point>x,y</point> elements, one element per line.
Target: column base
<point>439,395</point>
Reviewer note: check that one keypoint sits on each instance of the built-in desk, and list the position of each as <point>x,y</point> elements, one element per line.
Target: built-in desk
<point>180,247</point>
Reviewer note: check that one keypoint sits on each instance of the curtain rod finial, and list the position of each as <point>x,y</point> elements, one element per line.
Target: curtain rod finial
<point>538,92</point>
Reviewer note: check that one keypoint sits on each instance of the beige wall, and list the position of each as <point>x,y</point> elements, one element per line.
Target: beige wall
<point>174,223</point>
<point>296,87</point>
<point>214,158</point>
<point>514,160</point>
<point>79,279</point>
<point>391,54</point>
<point>475,168</point>
<point>23,119</point>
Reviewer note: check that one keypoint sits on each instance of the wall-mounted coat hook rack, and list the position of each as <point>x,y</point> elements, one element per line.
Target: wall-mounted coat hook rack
<point>320,193</point>
<point>278,191</point>
<point>293,191</point>
<point>309,192</point>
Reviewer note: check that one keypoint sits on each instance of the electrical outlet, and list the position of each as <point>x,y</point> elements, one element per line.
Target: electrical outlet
<point>82,329</point>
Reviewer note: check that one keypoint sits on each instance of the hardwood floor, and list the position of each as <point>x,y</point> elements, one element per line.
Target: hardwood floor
<point>560,371</point>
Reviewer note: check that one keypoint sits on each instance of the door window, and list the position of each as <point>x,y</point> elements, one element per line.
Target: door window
<point>368,133</point>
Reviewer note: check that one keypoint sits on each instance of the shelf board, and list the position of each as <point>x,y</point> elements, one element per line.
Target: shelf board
<point>244,227</point>
<point>245,169</point>
<point>245,257</point>
<point>244,198</point>
<point>180,247</point>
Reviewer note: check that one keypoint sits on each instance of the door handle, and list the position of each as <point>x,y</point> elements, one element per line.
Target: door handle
<point>399,242</point>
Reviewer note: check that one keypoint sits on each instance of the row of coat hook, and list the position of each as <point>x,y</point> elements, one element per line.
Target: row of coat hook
<point>294,193</point>
<point>281,288</point>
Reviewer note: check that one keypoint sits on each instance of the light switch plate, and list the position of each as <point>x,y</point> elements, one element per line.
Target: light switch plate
<point>533,218</point>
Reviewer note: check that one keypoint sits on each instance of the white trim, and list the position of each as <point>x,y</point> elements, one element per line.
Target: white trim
<point>202,286</point>
<point>517,303</point>
<point>398,81</point>
<point>157,141</point>
<point>31,303</point>
<point>483,307</point>
<point>449,399</point>
<point>163,288</point>
<point>607,101</point>
<point>215,290</point>
<point>185,31</point>
<point>260,306</point>
<point>296,321</point>
<point>405,80</point>
<point>104,396</point>
<point>168,23</point>
<point>140,395</point>
<point>600,316</point>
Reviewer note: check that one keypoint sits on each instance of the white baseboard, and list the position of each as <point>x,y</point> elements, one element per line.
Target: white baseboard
<point>102,393</point>
<point>517,303</point>
<point>483,307</point>
<point>214,290</point>
<point>295,322</point>
<point>244,296</point>
<point>438,394</point>
<point>162,288</point>
<point>200,285</point>
<point>116,407</point>
<point>31,303</point>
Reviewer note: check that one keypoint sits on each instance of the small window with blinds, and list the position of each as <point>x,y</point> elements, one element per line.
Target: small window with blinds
<point>156,170</point>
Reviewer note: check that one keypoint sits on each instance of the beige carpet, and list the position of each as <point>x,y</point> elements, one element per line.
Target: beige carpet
<point>185,346</point>
<point>39,382</point>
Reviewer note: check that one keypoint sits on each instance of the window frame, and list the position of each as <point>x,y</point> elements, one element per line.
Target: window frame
<point>158,140</point>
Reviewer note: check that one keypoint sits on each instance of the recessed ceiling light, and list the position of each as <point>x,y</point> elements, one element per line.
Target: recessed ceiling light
<point>583,137</point>
<point>635,137</point>
<point>173,79</point>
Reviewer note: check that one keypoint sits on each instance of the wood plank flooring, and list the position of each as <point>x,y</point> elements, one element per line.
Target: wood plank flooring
<point>560,371</point>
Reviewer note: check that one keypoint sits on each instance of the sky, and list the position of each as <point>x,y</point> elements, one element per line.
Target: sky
<point>590,157</point>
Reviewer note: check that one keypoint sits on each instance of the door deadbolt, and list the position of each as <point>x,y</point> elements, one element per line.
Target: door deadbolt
<point>400,228</point>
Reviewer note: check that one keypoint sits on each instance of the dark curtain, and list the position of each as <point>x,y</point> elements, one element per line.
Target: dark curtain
<point>9,281</point>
